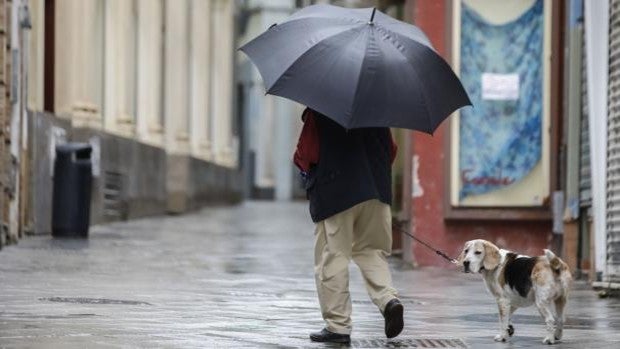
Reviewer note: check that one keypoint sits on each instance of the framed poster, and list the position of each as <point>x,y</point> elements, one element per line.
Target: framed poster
<point>500,154</point>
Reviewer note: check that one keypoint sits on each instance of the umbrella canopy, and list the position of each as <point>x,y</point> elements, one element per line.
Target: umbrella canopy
<point>359,67</point>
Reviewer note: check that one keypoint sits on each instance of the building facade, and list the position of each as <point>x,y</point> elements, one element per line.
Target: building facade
<point>492,171</point>
<point>602,38</point>
<point>8,233</point>
<point>567,198</point>
<point>148,83</point>
<point>273,123</point>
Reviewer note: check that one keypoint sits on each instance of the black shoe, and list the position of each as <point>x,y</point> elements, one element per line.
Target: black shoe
<point>327,336</point>
<point>393,314</point>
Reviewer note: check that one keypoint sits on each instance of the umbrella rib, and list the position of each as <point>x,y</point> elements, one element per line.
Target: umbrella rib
<point>341,19</point>
<point>357,86</point>
<point>348,26</point>
<point>390,34</point>
<point>316,14</point>
<point>270,89</point>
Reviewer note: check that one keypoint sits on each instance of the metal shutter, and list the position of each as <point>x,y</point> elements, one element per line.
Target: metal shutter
<point>613,147</point>
<point>585,182</point>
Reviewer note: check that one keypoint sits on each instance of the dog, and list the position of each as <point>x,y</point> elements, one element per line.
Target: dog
<point>519,281</point>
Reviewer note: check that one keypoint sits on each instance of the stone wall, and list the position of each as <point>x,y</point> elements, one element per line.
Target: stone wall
<point>130,179</point>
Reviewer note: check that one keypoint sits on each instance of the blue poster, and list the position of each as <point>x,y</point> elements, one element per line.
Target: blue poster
<point>501,136</point>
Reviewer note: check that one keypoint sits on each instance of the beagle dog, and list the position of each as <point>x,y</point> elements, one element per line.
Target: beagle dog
<point>519,281</point>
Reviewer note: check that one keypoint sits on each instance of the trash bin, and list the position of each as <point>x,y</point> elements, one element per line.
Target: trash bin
<point>72,190</point>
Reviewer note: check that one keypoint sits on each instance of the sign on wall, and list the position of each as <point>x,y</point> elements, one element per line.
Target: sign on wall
<point>500,153</point>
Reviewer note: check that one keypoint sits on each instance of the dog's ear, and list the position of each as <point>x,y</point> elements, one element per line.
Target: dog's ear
<point>491,256</point>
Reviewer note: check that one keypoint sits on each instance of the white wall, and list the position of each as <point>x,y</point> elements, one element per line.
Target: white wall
<point>160,71</point>
<point>274,122</point>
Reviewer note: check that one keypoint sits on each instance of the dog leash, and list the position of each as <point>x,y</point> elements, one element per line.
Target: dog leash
<point>445,256</point>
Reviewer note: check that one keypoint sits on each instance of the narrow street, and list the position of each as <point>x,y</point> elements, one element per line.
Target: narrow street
<point>242,277</point>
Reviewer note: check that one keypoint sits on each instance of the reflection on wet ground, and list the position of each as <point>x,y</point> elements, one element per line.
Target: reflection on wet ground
<point>242,277</point>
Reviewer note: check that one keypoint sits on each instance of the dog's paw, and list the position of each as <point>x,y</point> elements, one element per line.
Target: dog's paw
<point>511,330</point>
<point>558,334</point>
<point>549,340</point>
<point>500,338</point>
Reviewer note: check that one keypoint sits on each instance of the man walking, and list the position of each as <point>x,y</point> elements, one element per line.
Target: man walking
<point>347,177</point>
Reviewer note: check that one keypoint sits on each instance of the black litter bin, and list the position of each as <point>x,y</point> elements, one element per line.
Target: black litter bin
<point>71,192</point>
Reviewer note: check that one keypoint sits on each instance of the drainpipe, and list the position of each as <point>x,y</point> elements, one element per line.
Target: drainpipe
<point>25,25</point>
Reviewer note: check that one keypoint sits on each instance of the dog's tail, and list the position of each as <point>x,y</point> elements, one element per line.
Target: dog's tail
<point>560,269</point>
<point>555,262</point>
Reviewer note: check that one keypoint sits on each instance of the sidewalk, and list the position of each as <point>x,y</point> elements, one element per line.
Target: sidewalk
<point>242,277</point>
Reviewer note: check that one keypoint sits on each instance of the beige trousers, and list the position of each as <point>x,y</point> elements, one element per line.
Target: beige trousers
<point>364,233</point>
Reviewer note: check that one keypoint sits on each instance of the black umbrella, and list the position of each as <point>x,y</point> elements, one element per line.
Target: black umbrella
<point>359,67</point>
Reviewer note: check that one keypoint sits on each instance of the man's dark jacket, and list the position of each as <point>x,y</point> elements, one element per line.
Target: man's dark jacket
<point>354,166</point>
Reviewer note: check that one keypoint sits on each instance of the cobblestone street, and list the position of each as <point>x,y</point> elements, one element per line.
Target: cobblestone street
<point>242,277</point>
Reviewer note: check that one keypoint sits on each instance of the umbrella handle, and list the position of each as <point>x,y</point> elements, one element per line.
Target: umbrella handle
<point>372,17</point>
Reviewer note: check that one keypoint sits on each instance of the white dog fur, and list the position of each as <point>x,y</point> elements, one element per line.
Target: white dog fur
<point>519,281</point>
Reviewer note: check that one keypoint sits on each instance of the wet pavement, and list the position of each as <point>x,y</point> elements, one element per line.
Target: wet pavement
<point>242,277</point>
